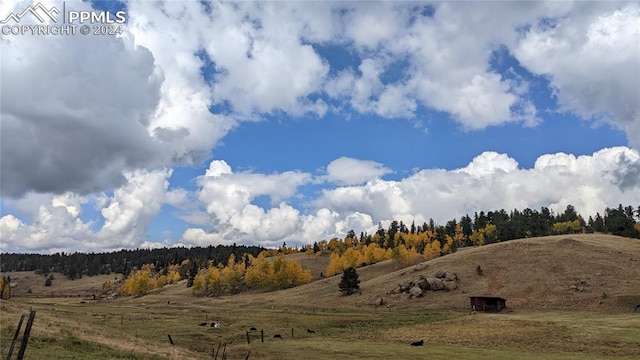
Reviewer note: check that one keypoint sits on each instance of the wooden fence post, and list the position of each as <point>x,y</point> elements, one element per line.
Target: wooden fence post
<point>262,335</point>
<point>170,339</point>
<point>15,337</point>
<point>248,341</point>
<point>292,333</point>
<point>25,337</point>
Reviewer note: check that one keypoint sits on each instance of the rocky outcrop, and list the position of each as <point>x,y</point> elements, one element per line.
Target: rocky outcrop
<point>379,301</point>
<point>421,285</point>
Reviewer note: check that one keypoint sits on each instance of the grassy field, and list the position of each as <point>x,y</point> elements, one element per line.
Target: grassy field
<point>535,325</point>
<point>125,329</point>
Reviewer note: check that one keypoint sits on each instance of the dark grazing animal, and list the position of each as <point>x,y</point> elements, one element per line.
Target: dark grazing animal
<point>202,324</point>
<point>253,329</point>
<point>277,336</point>
<point>309,331</point>
<point>417,343</point>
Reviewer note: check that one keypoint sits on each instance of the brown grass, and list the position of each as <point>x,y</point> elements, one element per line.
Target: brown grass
<point>545,318</point>
<point>531,274</point>
<point>23,281</point>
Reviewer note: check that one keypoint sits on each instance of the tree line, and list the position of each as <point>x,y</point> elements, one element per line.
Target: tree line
<point>78,264</point>
<point>399,241</point>
<point>409,244</point>
<point>266,271</point>
<point>492,226</point>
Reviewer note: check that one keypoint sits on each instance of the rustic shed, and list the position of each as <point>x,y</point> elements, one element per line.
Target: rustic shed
<point>487,303</point>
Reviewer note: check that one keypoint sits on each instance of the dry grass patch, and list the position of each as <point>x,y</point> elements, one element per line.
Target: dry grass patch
<point>534,332</point>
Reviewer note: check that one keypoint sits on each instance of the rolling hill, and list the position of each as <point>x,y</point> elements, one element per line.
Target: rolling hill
<point>585,271</point>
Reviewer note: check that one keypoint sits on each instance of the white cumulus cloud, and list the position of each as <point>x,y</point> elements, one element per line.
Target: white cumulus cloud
<point>350,171</point>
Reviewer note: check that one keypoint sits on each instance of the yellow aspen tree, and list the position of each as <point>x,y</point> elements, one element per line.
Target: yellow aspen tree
<point>303,276</point>
<point>200,282</point>
<point>429,253</point>
<point>376,239</point>
<point>446,248</point>
<point>388,254</point>
<point>490,233</point>
<point>153,282</point>
<point>382,254</point>
<point>361,260</point>
<point>255,276</point>
<point>412,255</point>
<point>296,275</point>
<point>348,243</point>
<point>458,237</point>
<point>369,255</point>
<point>279,273</point>
<point>232,274</point>
<point>432,250</point>
<point>396,239</point>
<point>148,267</point>
<point>400,254</point>
<point>214,280</point>
<point>137,283</point>
<point>477,237</point>
<point>174,276</point>
<point>5,289</point>
<point>335,264</point>
<point>412,240</point>
<point>161,281</point>
<point>351,258</point>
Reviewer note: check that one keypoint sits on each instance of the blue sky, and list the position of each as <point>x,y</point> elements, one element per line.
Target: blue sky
<point>264,122</point>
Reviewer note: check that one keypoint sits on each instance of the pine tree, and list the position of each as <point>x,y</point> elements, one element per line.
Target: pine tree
<point>350,282</point>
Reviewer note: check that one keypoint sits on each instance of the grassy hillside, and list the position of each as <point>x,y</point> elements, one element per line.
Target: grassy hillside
<point>31,284</point>
<point>591,271</point>
<point>535,273</point>
<point>568,297</point>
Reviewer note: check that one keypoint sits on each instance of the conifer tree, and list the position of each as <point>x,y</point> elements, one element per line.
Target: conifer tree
<point>350,282</point>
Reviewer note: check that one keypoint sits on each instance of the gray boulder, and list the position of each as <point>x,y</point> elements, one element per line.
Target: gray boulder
<point>421,283</point>
<point>438,284</point>
<point>450,285</point>
<point>415,291</point>
<point>441,274</point>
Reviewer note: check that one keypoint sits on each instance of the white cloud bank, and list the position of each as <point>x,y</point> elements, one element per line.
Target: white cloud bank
<point>56,223</point>
<point>592,59</point>
<point>490,181</point>
<point>84,115</point>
